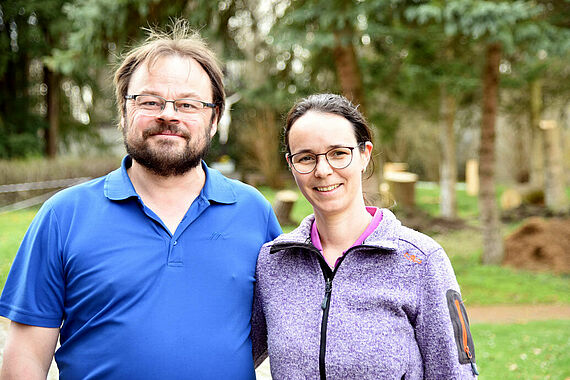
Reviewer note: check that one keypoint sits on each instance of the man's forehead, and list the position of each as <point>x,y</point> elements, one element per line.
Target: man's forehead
<point>171,69</point>
<point>180,63</point>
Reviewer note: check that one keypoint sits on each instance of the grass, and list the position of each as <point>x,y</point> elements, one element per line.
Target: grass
<point>13,226</point>
<point>427,199</point>
<point>534,350</point>
<point>491,284</point>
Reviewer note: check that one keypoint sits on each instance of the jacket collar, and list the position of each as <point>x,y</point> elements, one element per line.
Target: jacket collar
<point>384,237</point>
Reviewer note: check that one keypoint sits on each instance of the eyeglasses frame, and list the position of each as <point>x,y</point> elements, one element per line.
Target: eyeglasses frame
<point>289,158</point>
<point>204,104</point>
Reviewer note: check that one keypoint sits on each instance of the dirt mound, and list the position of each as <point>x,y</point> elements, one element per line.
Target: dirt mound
<point>540,245</point>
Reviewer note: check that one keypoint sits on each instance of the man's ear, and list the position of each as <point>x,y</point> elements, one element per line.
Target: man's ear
<point>213,128</point>
<point>214,122</point>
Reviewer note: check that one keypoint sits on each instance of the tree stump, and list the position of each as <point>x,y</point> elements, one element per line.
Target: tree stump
<point>283,205</point>
<point>472,177</point>
<point>554,184</point>
<point>403,187</point>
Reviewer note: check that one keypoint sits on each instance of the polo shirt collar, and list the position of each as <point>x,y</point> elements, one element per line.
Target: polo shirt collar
<point>118,185</point>
<point>217,188</point>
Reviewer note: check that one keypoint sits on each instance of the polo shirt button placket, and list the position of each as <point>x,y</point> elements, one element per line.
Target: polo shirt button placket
<point>174,256</point>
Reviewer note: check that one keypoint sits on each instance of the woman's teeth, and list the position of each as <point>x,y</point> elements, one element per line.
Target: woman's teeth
<point>327,188</point>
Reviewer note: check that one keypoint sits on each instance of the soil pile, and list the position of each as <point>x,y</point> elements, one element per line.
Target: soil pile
<point>540,245</point>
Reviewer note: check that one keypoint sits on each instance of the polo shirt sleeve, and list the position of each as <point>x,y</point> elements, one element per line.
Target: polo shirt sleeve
<point>438,330</point>
<point>273,227</point>
<point>34,290</point>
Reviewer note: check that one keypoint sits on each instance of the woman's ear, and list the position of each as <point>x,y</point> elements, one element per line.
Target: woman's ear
<point>366,154</point>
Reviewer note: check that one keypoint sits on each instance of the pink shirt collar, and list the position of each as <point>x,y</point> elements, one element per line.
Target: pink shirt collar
<point>376,218</point>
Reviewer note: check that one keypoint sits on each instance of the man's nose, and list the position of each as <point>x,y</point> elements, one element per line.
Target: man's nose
<point>168,112</point>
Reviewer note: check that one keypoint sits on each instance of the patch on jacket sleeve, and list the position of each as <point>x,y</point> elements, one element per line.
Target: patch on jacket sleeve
<point>460,322</point>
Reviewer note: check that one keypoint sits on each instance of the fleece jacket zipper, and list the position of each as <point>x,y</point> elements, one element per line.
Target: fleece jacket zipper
<point>328,274</point>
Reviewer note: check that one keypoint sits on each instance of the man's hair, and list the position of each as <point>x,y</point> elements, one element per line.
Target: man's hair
<point>180,40</point>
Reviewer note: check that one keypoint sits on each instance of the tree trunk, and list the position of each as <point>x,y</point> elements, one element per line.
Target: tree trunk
<point>347,68</point>
<point>489,211</point>
<point>537,155</point>
<point>350,80</point>
<point>447,168</point>
<point>52,135</point>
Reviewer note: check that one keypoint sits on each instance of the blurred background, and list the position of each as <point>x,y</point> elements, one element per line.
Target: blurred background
<point>469,101</point>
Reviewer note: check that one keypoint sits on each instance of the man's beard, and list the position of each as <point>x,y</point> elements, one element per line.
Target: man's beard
<point>160,159</point>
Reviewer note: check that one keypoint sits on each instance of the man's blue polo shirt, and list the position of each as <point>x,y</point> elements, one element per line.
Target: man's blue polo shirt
<point>137,302</point>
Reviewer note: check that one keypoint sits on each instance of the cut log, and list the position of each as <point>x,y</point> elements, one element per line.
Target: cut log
<point>402,187</point>
<point>283,206</point>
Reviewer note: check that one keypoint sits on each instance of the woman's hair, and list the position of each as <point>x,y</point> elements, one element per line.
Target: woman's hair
<point>329,103</point>
<point>181,41</point>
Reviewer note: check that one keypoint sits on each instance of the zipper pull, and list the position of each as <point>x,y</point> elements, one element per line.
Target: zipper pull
<point>474,368</point>
<point>473,365</point>
<point>327,297</point>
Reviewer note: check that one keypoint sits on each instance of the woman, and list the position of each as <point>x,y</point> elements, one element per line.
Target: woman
<point>351,293</point>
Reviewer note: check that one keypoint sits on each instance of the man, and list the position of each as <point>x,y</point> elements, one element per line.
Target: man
<point>148,272</point>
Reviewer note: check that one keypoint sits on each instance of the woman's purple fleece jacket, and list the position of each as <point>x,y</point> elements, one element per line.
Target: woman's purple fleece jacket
<point>391,309</point>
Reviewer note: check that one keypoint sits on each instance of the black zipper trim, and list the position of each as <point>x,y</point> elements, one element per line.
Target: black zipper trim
<point>324,323</point>
<point>328,275</point>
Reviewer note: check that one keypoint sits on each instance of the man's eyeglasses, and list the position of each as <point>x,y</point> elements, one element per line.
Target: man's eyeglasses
<point>338,158</point>
<point>152,105</point>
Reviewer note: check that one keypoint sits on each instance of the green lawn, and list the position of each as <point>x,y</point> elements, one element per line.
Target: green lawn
<point>427,199</point>
<point>534,350</point>
<point>13,226</point>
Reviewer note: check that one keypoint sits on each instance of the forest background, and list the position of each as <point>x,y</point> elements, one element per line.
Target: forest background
<point>442,82</point>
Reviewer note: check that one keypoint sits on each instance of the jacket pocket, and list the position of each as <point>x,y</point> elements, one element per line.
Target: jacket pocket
<point>460,322</point>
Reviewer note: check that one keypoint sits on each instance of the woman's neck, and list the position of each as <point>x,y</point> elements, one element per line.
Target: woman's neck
<point>338,232</point>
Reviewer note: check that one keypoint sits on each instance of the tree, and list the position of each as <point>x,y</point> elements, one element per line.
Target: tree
<point>453,79</point>
<point>495,25</point>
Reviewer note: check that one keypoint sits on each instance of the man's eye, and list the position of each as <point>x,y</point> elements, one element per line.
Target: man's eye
<point>188,105</point>
<point>150,103</point>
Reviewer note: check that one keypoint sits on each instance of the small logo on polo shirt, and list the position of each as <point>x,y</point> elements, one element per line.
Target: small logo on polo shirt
<point>412,258</point>
<point>216,236</point>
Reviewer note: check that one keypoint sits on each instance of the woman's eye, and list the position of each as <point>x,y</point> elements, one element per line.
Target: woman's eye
<point>305,159</point>
<point>339,153</point>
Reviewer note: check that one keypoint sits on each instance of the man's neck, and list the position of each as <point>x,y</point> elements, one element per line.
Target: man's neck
<point>168,196</point>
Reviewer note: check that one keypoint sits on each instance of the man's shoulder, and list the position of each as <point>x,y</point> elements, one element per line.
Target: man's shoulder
<point>86,193</point>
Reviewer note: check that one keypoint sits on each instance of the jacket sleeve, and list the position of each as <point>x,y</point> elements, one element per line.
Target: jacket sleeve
<point>442,326</point>
<point>258,324</point>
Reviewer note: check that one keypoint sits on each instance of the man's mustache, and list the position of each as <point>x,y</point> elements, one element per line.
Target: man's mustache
<point>161,128</point>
